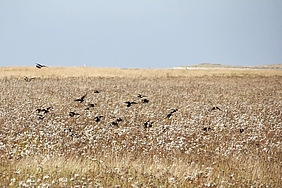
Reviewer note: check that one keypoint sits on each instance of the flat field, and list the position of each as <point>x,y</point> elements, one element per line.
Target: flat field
<point>179,128</point>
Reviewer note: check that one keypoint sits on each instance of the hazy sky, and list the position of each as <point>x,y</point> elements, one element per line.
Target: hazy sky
<point>140,33</point>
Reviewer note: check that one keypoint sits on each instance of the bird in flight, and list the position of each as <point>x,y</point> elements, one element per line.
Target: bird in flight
<point>119,120</point>
<point>140,96</point>
<point>98,118</point>
<point>72,114</point>
<point>28,79</point>
<point>90,105</point>
<point>148,124</point>
<point>216,108</point>
<point>81,99</point>
<point>129,103</point>
<point>39,66</point>
<point>170,114</point>
<point>44,110</point>
<point>145,100</point>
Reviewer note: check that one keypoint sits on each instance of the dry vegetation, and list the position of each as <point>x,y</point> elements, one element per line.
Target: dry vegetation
<point>226,130</point>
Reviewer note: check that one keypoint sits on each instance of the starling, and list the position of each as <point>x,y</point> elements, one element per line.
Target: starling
<point>98,118</point>
<point>40,116</point>
<point>145,100</point>
<point>119,119</point>
<point>216,108</point>
<point>129,103</point>
<point>140,96</point>
<point>44,110</point>
<point>81,99</point>
<point>72,114</point>
<point>207,129</point>
<point>170,114</point>
<point>28,79</point>
<point>148,124</point>
<point>90,106</point>
<point>114,123</point>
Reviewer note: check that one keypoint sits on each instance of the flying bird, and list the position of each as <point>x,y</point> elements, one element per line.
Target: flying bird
<point>140,96</point>
<point>145,100</point>
<point>119,120</point>
<point>216,108</point>
<point>28,79</point>
<point>148,124</point>
<point>114,123</point>
<point>39,66</point>
<point>44,110</point>
<point>170,114</point>
<point>40,116</point>
<point>72,114</point>
<point>207,129</point>
<point>81,99</point>
<point>98,118</point>
<point>129,103</point>
<point>90,105</point>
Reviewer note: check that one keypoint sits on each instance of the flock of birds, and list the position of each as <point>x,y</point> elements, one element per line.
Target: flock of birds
<point>42,111</point>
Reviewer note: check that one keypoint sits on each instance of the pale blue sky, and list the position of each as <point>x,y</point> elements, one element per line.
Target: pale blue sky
<point>140,33</point>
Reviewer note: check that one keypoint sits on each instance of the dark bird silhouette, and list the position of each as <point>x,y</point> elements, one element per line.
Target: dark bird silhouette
<point>174,110</point>
<point>69,131</point>
<point>114,123</point>
<point>40,116</point>
<point>119,120</point>
<point>98,118</point>
<point>148,124</point>
<point>241,130</point>
<point>90,106</point>
<point>44,110</point>
<point>207,129</point>
<point>81,99</point>
<point>170,114</point>
<point>28,79</point>
<point>144,100</point>
<point>215,108</point>
<point>96,91</point>
<point>129,103</point>
<point>40,66</point>
<point>140,96</point>
<point>72,114</point>
<point>38,110</point>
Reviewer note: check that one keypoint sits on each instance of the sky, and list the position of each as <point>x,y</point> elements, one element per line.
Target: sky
<point>140,33</point>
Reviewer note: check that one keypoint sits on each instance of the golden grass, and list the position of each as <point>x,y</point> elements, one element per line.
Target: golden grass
<point>113,72</point>
<point>237,146</point>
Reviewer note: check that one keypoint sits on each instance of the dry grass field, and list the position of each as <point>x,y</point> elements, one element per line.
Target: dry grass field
<point>196,128</point>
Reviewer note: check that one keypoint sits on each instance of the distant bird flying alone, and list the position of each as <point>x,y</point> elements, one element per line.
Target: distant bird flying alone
<point>39,66</point>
